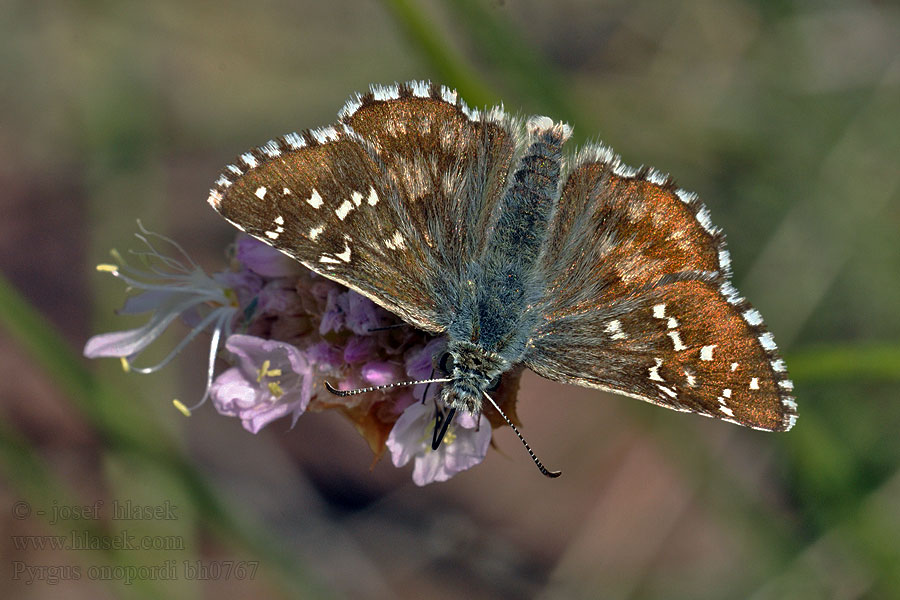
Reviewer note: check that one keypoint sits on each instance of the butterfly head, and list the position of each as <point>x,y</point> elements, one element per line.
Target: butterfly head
<point>473,371</point>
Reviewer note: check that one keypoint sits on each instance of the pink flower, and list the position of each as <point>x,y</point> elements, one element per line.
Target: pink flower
<point>464,446</point>
<point>271,380</point>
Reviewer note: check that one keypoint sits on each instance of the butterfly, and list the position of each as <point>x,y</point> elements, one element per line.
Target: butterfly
<point>475,225</point>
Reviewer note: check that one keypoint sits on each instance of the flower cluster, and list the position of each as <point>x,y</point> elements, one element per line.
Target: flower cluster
<point>286,331</point>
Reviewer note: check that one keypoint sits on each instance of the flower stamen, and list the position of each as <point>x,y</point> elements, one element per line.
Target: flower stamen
<point>181,407</point>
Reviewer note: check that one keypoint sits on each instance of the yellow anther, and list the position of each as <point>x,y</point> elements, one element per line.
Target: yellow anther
<point>125,366</point>
<point>104,268</point>
<point>275,389</point>
<point>181,407</point>
<point>263,370</point>
<point>231,296</point>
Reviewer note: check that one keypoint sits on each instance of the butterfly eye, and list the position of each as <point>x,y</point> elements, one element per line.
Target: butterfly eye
<point>494,384</point>
<point>446,363</point>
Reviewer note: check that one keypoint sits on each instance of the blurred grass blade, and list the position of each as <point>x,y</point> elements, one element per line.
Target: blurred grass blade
<point>450,69</point>
<point>514,58</point>
<point>846,362</point>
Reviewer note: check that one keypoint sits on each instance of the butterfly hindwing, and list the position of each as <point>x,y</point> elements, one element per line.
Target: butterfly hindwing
<point>618,230</point>
<point>378,209</point>
<point>639,302</point>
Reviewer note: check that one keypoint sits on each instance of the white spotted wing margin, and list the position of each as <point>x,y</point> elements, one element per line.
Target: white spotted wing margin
<point>378,201</point>
<point>639,301</point>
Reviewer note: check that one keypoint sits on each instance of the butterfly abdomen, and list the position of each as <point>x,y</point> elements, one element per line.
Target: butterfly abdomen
<point>524,212</point>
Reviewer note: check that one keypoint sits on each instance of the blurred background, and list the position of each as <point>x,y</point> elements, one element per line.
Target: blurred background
<point>784,116</point>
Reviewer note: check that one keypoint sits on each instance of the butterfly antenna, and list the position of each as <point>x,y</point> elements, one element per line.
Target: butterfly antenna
<point>537,461</point>
<point>345,393</point>
<point>386,327</point>
<point>441,423</point>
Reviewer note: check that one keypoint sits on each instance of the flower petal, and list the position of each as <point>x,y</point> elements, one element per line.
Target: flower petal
<point>263,259</point>
<point>130,342</point>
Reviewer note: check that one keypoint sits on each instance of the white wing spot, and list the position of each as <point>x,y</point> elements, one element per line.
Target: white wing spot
<point>789,402</point>
<point>786,384</point>
<point>329,260</point>
<point>223,181</point>
<point>676,341</point>
<point>279,220</point>
<point>768,341</point>
<point>659,311</point>
<point>685,196</point>
<point>614,328</point>
<point>754,383</point>
<point>325,134</point>
<point>295,141</point>
<point>734,366</point>
<point>345,255</point>
<point>727,392</point>
<point>448,95</point>
<point>373,197</point>
<point>623,170</point>
<point>705,220</point>
<point>234,170</point>
<point>654,371</point>
<point>270,149</point>
<point>215,198</point>
<point>357,198</point>
<point>249,160</point>
<point>779,366</point>
<point>706,352</point>
<point>753,317</point>
<point>260,192</point>
<point>731,294</point>
<point>673,322</point>
<point>315,200</point>
<point>315,231</point>
<point>691,380</point>
<point>272,235</point>
<point>344,209</point>
<point>726,410</point>
<point>285,192</point>
<point>669,391</point>
<point>390,92</point>
<point>656,177</point>
<point>351,107</point>
<point>420,89</point>
<point>724,259</point>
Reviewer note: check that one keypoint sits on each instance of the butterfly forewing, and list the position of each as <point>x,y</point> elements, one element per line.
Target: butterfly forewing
<point>381,210</point>
<point>652,315</point>
<point>448,164</point>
